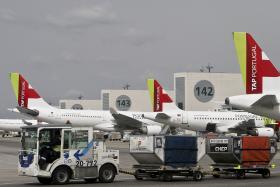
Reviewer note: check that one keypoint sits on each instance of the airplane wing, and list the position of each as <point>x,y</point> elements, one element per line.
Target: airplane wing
<point>266,101</point>
<point>125,121</point>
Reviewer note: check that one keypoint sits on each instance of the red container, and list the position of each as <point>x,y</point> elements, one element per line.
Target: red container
<point>255,143</point>
<point>255,155</point>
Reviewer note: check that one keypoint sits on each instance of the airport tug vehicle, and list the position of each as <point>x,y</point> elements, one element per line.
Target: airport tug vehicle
<point>164,157</point>
<point>55,154</point>
<point>239,155</point>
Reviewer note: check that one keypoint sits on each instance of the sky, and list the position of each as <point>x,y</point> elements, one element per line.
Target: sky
<point>67,48</point>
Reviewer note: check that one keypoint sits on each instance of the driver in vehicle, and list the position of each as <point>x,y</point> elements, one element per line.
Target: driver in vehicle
<point>51,151</point>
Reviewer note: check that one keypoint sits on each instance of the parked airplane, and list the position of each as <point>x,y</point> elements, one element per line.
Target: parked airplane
<point>31,104</point>
<point>7,125</point>
<point>168,113</point>
<point>260,76</point>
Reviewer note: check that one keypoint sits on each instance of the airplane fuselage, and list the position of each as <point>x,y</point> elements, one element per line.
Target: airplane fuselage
<point>100,120</point>
<point>14,124</point>
<point>248,103</point>
<point>190,120</point>
<point>200,120</point>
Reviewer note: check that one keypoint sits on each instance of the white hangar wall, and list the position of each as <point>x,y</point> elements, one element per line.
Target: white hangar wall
<point>205,91</point>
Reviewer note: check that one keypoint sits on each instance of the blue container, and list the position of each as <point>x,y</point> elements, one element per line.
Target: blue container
<point>180,150</point>
<point>180,157</point>
<point>180,142</point>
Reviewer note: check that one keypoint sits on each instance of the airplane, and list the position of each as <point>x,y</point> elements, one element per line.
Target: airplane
<point>7,125</point>
<point>31,104</point>
<point>166,112</point>
<point>260,77</point>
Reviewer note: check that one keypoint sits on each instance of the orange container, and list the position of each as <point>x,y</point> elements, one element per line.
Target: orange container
<point>255,155</point>
<point>255,142</point>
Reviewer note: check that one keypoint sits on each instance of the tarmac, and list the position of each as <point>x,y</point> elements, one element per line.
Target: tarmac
<point>9,157</point>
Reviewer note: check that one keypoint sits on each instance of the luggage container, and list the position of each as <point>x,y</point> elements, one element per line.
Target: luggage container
<point>166,156</point>
<point>241,154</point>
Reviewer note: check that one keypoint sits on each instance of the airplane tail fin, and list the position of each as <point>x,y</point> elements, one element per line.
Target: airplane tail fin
<point>160,99</point>
<point>26,96</point>
<point>256,68</point>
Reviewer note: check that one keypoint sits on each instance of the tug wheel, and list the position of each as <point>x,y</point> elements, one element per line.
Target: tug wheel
<point>61,175</point>
<point>107,173</point>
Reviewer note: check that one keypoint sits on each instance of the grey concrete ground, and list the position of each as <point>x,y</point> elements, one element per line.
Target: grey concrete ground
<point>9,177</point>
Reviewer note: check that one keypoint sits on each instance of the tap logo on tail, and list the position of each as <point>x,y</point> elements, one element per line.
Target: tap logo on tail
<point>22,89</point>
<point>158,95</point>
<point>254,63</point>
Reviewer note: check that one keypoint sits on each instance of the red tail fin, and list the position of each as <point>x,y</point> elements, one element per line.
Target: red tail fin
<point>23,90</point>
<point>161,101</point>
<point>258,66</point>
<point>160,97</point>
<point>254,63</point>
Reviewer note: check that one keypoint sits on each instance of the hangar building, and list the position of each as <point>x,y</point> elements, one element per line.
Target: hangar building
<point>80,104</point>
<point>192,91</point>
<point>205,91</point>
<point>123,100</point>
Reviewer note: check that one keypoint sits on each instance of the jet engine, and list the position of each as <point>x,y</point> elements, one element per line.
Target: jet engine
<point>151,130</point>
<point>263,131</point>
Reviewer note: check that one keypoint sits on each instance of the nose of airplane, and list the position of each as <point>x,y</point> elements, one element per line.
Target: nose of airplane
<point>227,101</point>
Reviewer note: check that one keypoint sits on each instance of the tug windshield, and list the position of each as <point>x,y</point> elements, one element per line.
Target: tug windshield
<point>29,140</point>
